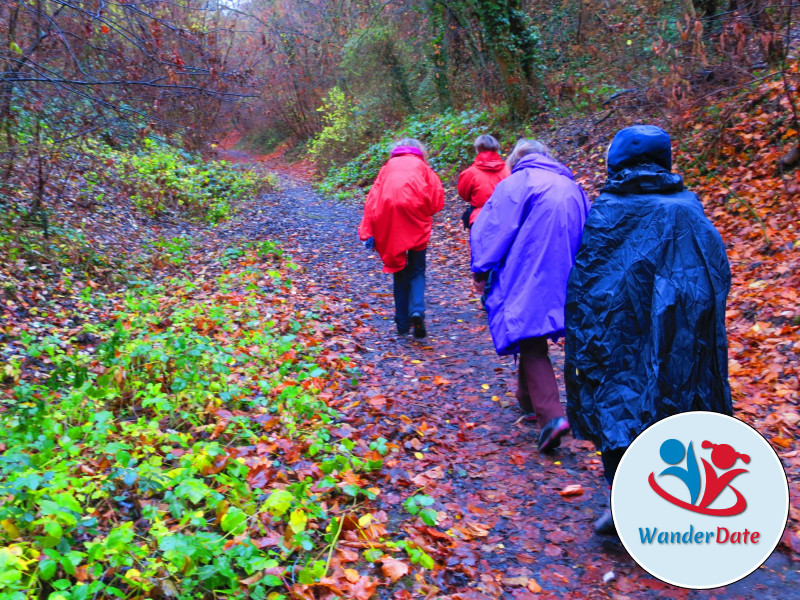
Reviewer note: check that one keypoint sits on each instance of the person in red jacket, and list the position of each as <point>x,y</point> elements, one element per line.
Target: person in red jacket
<point>477,182</point>
<point>398,216</point>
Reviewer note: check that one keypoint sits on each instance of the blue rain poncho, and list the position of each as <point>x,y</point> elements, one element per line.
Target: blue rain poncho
<point>645,312</point>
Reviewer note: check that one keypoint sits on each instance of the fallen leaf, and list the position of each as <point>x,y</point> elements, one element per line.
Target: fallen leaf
<point>254,578</point>
<point>377,401</point>
<point>534,586</point>
<point>352,575</point>
<point>435,473</point>
<point>521,581</point>
<point>572,490</point>
<point>781,441</point>
<point>472,530</point>
<point>393,569</point>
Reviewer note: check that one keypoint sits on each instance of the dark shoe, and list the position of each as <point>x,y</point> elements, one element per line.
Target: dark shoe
<point>418,321</point>
<point>403,330</point>
<point>530,418</point>
<point>550,438</point>
<point>605,524</point>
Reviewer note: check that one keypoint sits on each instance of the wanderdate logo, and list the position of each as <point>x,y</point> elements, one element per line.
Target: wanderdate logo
<point>723,457</point>
<point>700,500</point>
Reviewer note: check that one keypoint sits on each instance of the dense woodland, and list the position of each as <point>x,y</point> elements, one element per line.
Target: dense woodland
<point>336,75</point>
<point>190,410</point>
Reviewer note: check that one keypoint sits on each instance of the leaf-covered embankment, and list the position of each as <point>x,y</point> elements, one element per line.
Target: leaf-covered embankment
<point>181,436</point>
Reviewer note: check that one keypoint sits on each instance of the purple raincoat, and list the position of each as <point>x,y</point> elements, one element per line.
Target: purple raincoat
<point>528,234</point>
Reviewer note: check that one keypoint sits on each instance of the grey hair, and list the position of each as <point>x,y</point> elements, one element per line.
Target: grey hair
<point>525,147</point>
<point>414,143</point>
<point>486,143</point>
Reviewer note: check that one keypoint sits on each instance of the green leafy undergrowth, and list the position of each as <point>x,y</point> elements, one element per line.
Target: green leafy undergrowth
<point>59,252</point>
<point>449,137</point>
<point>185,448</point>
<point>160,178</point>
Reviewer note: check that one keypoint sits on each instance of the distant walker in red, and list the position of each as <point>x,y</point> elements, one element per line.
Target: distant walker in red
<point>397,222</point>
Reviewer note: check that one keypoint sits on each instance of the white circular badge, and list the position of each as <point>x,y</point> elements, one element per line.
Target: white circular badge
<point>700,500</point>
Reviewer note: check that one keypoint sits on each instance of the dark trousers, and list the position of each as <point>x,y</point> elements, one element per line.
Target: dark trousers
<point>611,461</point>
<point>409,290</point>
<point>537,389</point>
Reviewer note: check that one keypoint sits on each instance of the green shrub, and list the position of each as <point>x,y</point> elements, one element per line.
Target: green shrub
<point>343,129</point>
<point>449,137</point>
<point>163,179</point>
<point>29,250</point>
<point>159,178</point>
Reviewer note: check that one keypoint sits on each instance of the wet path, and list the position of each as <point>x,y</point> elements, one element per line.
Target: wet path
<point>446,406</point>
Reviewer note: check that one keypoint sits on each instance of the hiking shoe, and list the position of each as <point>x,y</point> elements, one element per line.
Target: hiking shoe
<point>418,321</point>
<point>529,418</point>
<point>403,330</point>
<point>605,524</point>
<point>550,438</point>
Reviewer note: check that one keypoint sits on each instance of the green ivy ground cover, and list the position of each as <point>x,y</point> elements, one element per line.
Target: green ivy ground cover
<point>181,446</point>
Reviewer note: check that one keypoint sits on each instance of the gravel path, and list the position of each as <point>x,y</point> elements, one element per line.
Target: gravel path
<point>447,403</point>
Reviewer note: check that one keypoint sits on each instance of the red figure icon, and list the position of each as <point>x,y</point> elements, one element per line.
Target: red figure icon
<point>724,457</point>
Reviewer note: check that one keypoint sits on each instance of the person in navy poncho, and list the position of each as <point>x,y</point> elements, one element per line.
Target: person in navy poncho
<point>527,236</point>
<point>645,313</point>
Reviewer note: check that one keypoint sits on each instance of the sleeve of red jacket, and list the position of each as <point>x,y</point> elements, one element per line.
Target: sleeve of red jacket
<point>465,185</point>
<point>437,192</point>
<point>365,229</point>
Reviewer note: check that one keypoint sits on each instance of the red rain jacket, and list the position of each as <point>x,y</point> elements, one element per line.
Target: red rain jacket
<point>399,209</point>
<point>477,182</point>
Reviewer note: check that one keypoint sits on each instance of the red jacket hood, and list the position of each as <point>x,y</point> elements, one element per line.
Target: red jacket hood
<point>400,150</point>
<point>489,161</point>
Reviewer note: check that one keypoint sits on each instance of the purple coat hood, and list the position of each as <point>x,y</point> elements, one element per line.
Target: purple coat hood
<point>528,234</point>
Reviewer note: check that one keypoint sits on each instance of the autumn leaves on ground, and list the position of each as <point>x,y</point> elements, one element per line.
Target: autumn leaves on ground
<point>224,410</point>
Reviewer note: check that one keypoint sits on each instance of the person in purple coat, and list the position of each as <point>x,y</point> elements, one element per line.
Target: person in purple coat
<point>526,237</point>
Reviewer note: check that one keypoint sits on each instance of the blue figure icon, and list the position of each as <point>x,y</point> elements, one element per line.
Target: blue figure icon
<point>672,452</point>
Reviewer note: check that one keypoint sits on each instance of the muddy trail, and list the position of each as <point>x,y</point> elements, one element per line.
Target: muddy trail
<point>447,405</point>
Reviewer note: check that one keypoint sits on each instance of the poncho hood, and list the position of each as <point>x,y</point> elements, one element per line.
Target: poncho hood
<point>644,179</point>
<point>638,145</point>
<point>540,161</point>
<point>489,161</point>
<point>400,150</point>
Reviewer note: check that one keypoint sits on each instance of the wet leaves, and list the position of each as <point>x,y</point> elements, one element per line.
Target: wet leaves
<point>410,475</point>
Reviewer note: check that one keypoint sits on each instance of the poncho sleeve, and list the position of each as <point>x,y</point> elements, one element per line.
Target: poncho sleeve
<point>436,192</point>
<point>495,228</point>
<point>365,229</point>
<point>465,185</point>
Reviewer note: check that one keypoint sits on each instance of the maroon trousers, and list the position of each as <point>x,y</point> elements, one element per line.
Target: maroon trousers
<point>537,389</point>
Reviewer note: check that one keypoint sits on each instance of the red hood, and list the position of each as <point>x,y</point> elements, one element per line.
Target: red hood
<point>489,161</point>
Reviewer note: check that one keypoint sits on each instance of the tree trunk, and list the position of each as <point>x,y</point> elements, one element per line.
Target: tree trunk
<point>516,95</point>
<point>513,45</point>
<point>398,75</point>
<point>438,53</point>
